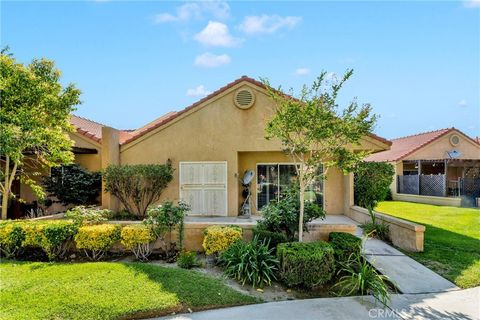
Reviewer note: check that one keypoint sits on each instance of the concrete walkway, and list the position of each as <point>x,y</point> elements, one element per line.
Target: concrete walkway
<point>458,305</point>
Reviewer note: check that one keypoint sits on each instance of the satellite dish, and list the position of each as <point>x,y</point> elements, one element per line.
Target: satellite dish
<point>247,177</point>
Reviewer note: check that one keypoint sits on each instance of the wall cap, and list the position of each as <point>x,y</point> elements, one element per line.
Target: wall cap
<point>393,220</point>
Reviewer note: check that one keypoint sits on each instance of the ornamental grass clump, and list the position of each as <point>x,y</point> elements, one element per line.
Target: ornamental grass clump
<point>250,262</point>
<point>306,264</point>
<point>96,240</point>
<point>218,238</point>
<point>138,239</point>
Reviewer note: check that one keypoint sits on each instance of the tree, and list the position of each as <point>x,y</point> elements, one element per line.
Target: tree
<point>313,131</point>
<point>34,120</point>
<point>372,183</point>
<point>137,186</point>
<point>72,184</point>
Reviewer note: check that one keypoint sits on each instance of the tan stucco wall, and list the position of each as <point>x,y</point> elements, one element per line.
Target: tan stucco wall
<point>438,149</point>
<point>218,131</point>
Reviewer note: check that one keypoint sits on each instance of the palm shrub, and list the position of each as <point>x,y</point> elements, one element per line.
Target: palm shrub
<point>137,186</point>
<point>358,276</point>
<point>96,240</point>
<point>11,238</point>
<point>138,239</point>
<point>306,264</point>
<point>283,215</point>
<point>250,262</point>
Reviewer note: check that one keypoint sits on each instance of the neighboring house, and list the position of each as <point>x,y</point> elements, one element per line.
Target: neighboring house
<point>211,144</point>
<point>438,167</point>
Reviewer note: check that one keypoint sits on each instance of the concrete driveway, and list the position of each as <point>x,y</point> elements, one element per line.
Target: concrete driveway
<point>455,305</point>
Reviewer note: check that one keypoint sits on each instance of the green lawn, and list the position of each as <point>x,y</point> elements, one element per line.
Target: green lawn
<point>106,290</point>
<point>452,239</point>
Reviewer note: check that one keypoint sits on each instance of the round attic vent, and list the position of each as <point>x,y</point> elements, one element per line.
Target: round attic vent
<point>454,140</point>
<point>244,98</point>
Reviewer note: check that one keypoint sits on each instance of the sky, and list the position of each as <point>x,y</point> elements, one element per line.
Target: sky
<point>416,63</point>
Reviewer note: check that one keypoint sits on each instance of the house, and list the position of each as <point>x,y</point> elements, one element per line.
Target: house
<point>211,144</point>
<point>439,167</point>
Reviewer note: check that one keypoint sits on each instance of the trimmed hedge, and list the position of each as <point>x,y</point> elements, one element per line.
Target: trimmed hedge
<point>272,238</point>
<point>218,239</point>
<point>344,245</point>
<point>306,264</point>
<point>137,238</point>
<point>96,240</point>
<point>11,238</point>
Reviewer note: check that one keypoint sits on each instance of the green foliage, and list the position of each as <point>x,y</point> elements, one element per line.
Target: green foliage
<point>34,117</point>
<point>272,238</point>
<point>188,260</point>
<point>107,290</point>
<point>11,238</point>
<point>250,262</point>
<point>73,184</point>
<point>82,215</point>
<point>283,215</point>
<point>56,237</point>
<point>360,277</point>
<point>313,131</point>
<point>372,183</point>
<point>138,239</point>
<point>137,186</point>
<point>306,264</point>
<point>96,240</point>
<point>218,238</point>
<point>375,229</point>
<point>168,216</point>
<point>344,245</point>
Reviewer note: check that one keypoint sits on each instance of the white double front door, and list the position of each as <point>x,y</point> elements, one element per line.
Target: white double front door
<point>203,185</point>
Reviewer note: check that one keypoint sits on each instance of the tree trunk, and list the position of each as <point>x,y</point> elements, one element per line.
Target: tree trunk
<point>6,189</point>
<point>302,204</point>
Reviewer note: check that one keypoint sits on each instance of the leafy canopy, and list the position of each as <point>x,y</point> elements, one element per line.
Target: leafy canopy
<point>372,183</point>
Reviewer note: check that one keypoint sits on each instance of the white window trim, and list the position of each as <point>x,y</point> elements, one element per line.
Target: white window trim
<point>278,180</point>
<point>226,184</point>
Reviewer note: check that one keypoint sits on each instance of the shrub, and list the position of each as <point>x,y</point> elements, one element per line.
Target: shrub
<point>188,260</point>
<point>372,182</point>
<point>11,238</point>
<point>87,215</point>
<point>218,238</point>
<point>96,240</point>
<point>138,239</point>
<point>377,230</point>
<point>53,237</point>
<point>72,184</point>
<point>168,216</point>
<point>344,245</point>
<point>359,277</point>
<point>250,262</point>
<point>270,237</point>
<point>306,264</point>
<point>283,215</point>
<point>137,186</point>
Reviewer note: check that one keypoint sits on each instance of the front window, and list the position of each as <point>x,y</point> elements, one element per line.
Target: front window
<point>273,179</point>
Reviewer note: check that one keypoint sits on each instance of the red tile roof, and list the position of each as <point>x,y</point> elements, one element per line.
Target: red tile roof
<point>405,146</point>
<point>93,129</point>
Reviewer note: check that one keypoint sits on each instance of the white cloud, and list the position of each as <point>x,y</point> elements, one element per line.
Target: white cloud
<point>216,34</point>
<point>196,10</point>
<point>199,91</point>
<point>471,4</point>
<point>462,103</point>
<point>209,60</point>
<point>302,71</point>
<point>266,24</point>
<point>331,77</point>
